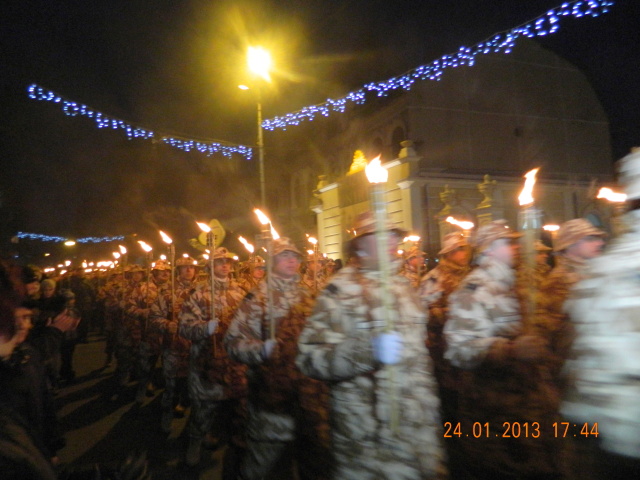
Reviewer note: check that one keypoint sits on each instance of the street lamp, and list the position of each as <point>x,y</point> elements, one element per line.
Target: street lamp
<point>259,62</point>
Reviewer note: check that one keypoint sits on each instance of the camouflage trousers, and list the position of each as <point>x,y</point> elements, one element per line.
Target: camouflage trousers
<point>224,418</point>
<point>175,387</point>
<point>147,360</point>
<point>126,353</point>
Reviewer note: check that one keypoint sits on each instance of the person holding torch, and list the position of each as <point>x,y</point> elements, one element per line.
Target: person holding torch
<point>384,407</point>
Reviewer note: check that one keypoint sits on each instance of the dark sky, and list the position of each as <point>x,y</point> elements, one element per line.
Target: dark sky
<point>174,65</point>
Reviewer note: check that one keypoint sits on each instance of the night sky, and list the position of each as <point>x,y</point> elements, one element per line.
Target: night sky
<point>173,66</point>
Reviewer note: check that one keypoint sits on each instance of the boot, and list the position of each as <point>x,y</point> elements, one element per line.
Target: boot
<point>193,452</point>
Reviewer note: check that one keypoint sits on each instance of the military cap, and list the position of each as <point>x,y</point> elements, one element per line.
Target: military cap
<point>161,265</point>
<point>365,224</point>
<point>630,174</point>
<point>257,261</point>
<point>451,241</point>
<point>134,267</point>
<point>572,231</point>
<point>222,253</point>
<point>311,257</point>
<point>490,232</point>
<point>413,252</point>
<point>283,244</point>
<point>186,262</point>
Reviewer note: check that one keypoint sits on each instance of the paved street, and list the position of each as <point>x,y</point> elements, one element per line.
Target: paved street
<point>101,431</point>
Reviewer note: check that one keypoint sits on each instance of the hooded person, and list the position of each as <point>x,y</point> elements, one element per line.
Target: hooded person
<point>347,343</point>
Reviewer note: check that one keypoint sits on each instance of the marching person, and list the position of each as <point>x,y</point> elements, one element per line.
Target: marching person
<point>148,339</point>
<point>274,410</point>
<point>576,244</point>
<point>255,273</point>
<point>435,288</point>
<point>314,277</point>
<point>413,266</point>
<point>502,384</point>
<point>603,366</point>
<point>164,317</point>
<point>217,384</point>
<point>372,372</point>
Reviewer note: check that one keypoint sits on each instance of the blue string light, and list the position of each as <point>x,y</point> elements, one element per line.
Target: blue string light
<point>50,238</point>
<point>504,42</point>
<point>101,120</point>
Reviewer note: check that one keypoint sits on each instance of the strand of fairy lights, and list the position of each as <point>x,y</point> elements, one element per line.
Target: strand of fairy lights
<point>545,24</point>
<point>51,238</point>
<point>101,120</point>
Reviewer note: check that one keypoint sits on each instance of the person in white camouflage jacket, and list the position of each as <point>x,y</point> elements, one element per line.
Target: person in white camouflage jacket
<point>372,372</point>
<point>507,405</point>
<point>275,413</point>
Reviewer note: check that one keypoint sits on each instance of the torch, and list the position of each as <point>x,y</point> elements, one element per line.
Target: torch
<point>211,244</point>
<point>529,220</point>
<point>267,235</point>
<point>314,242</point>
<point>377,176</point>
<point>172,255</point>
<point>618,200</point>
<point>464,225</point>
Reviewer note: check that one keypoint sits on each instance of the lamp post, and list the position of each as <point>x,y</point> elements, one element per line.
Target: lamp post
<point>259,63</point>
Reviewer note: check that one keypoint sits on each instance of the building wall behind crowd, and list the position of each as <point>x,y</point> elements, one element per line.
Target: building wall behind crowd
<point>502,117</point>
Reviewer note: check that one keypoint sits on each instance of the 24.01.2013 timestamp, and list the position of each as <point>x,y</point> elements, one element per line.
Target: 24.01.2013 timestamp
<point>520,430</point>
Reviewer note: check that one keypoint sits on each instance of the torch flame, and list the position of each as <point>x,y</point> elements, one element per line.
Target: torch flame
<point>551,228</point>
<point>462,224</point>
<point>116,255</point>
<point>204,227</point>
<point>274,234</point>
<point>526,196</point>
<point>313,240</point>
<point>123,249</point>
<point>246,244</point>
<point>166,238</point>
<point>414,238</point>
<point>146,247</point>
<point>612,196</point>
<point>375,172</point>
<point>262,218</point>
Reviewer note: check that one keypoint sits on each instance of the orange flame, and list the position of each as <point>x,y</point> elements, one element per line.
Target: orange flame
<point>526,196</point>
<point>246,244</point>
<point>262,218</point>
<point>166,238</point>
<point>375,172</point>
<point>612,196</point>
<point>462,224</point>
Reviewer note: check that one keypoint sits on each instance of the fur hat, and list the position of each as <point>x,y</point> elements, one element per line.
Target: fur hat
<point>572,231</point>
<point>490,232</point>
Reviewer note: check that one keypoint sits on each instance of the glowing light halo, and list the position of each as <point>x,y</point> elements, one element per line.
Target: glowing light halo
<point>546,24</point>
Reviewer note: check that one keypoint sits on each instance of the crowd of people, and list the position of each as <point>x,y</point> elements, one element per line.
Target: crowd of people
<point>484,367</point>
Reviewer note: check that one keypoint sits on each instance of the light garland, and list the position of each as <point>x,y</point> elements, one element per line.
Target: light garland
<point>51,238</point>
<point>73,109</point>
<point>545,24</point>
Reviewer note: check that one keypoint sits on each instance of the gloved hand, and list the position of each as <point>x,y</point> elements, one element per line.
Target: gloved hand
<point>268,347</point>
<point>387,348</point>
<point>212,325</point>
